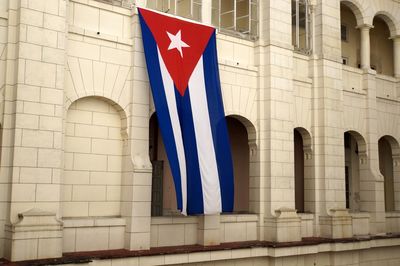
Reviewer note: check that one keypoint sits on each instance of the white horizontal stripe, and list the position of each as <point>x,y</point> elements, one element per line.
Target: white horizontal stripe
<point>176,127</point>
<point>204,141</point>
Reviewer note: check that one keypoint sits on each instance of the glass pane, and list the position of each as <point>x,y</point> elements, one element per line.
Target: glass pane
<point>215,4</point>
<point>215,13</point>
<point>293,12</point>
<point>227,21</point>
<point>302,15</point>
<point>242,8</point>
<point>215,17</point>
<point>184,8</point>
<point>172,9</point>
<point>197,11</point>
<point>242,24</point>
<point>227,6</point>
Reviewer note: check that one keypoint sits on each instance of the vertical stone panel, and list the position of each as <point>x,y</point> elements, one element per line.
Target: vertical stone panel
<point>39,49</point>
<point>94,144</point>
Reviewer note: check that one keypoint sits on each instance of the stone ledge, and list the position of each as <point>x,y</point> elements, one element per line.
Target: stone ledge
<point>173,220</point>
<point>306,216</point>
<point>4,14</point>
<point>93,222</point>
<point>226,250</point>
<point>394,214</point>
<point>233,218</point>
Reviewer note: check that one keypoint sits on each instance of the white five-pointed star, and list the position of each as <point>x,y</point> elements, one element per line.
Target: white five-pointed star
<point>176,42</point>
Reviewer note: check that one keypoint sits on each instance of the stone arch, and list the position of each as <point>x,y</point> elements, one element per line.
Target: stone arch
<point>122,112</point>
<point>351,19</point>
<point>94,153</point>
<point>356,169</point>
<point>307,139</point>
<point>390,21</point>
<point>357,10</point>
<point>394,144</point>
<point>242,137</point>
<point>305,197</point>
<point>251,129</point>
<point>242,102</point>
<point>82,79</point>
<point>389,166</point>
<point>362,144</point>
<point>382,49</point>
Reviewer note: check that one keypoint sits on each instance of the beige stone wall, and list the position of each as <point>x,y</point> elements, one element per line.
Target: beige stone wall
<point>92,159</point>
<point>75,108</point>
<point>3,49</point>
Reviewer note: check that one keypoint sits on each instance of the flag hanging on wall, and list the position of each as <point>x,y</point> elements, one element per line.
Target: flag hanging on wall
<point>182,65</point>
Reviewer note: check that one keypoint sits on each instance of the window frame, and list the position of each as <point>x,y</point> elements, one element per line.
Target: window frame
<point>172,7</point>
<point>307,25</point>
<point>344,26</point>
<point>252,18</point>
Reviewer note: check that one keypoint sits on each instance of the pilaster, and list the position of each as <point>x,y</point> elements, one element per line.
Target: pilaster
<point>284,227</point>
<point>34,111</point>
<point>372,184</point>
<point>36,235</point>
<point>328,121</point>
<point>208,230</point>
<point>136,191</point>
<point>276,102</point>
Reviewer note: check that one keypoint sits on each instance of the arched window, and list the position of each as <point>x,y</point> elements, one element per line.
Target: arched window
<point>163,190</point>
<point>163,195</point>
<point>304,182</point>
<point>301,26</point>
<point>389,150</point>
<point>350,37</point>
<point>298,171</point>
<point>381,47</point>
<point>240,155</point>
<point>352,171</point>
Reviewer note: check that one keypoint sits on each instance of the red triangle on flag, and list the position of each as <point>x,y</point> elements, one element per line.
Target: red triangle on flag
<point>181,44</point>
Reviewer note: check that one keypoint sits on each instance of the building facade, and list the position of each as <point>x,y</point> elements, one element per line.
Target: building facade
<point>311,91</point>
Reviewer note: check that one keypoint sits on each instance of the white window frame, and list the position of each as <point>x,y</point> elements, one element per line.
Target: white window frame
<point>307,23</point>
<point>175,3</point>
<point>253,33</point>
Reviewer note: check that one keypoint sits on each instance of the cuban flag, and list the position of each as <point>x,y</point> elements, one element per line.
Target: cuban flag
<point>182,65</point>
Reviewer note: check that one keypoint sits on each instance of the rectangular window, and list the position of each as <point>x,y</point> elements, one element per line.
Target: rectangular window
<point>301,25</point>
<point>343,32</point>
<point>123,3</point>
<point>185,8</point>
<point>347,186</point>
<point>345,60</point>
<point>236,16</point>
